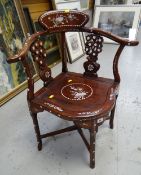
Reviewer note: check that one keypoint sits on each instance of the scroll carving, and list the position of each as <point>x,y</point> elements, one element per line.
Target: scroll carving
<point>39,56</point>
<point>93,47</point>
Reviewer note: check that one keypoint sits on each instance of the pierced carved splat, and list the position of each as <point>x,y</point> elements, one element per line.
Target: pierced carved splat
<point>39,55</point>
<point>93,47</point>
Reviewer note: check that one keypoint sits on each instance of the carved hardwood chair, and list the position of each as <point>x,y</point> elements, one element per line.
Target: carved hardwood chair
<point>85,99</point>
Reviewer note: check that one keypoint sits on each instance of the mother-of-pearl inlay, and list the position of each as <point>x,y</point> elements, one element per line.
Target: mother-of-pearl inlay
<point>76,91</point>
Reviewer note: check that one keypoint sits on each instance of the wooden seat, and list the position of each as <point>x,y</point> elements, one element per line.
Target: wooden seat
<point>73,96</point>
<point>85,99</point>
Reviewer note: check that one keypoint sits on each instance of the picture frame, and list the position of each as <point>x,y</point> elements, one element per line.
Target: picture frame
<point>136,1</point>
<point>13,32</point>
<point>74,44</point>
<point>28,20</point>
<point>119,20</point>
<point>112,2</point>
<point>84,4</point>
<point>83,40</point>
<point>72,4</point>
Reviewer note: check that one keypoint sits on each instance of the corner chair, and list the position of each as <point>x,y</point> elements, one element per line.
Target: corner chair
<point>86,100</point>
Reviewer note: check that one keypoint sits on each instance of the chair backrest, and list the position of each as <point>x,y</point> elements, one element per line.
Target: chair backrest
<point>69,21</point>
<point>53,22</point>
<point>72,20</point>
<point>58,21</point>
<point>61,22</point>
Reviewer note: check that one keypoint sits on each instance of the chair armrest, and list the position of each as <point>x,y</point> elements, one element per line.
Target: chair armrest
<point>26,46</point>
<point>111,36</point>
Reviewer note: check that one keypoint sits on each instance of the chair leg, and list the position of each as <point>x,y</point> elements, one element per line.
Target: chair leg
<point>97,128</point>
<point>92,145</point>
<point>111,123</point>
<point>37,130</point>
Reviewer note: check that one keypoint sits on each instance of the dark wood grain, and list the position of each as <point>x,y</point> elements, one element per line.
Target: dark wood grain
<point>85,99</point>
<point>93,47</point>
<point>64,20</point>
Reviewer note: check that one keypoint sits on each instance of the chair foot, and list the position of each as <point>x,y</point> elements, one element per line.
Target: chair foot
<point>92,165</point>
<point>37,130</point>
<point>40,146</point>
<point>92,145</point>
<point>111,126</point>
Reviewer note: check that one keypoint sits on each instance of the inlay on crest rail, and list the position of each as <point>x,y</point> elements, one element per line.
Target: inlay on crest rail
<point>86,100</point>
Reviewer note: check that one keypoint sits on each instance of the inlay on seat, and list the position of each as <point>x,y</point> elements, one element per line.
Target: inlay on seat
<point>85,99</point>
<point>88,97</point>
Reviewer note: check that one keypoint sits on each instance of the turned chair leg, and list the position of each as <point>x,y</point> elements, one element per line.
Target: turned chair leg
<point>37,130</point>
<point>97,128</point>
<point>92,145</point>
<point>111,123</point>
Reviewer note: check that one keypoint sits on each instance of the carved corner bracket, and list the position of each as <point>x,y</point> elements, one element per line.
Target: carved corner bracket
<point>93,47</point>
<point>39,54</point>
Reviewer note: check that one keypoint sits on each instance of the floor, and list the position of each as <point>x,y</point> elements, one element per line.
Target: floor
<point>118,151</point>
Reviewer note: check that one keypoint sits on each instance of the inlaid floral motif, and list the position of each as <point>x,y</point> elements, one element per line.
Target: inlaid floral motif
<point>62,20</point>
<point>113,93</point>
<point>89,113</point>
<point>54,107</point>
<point>76,91</point>
<point>47,74</point>
<point>90,67</point>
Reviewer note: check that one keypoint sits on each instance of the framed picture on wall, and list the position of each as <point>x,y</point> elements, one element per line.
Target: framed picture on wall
<point>119,20</point>
<point>73,4</point>
<point>112,2</point>
<point>12,35</point>
<point>74,44</point>
<point>136,1</point>
<point>28,20</point>
<point>84,4</point>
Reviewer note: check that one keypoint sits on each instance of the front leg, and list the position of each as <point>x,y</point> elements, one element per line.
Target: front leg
<point>111,123</point>
<point>37,130</point>
<point>92,144</point>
